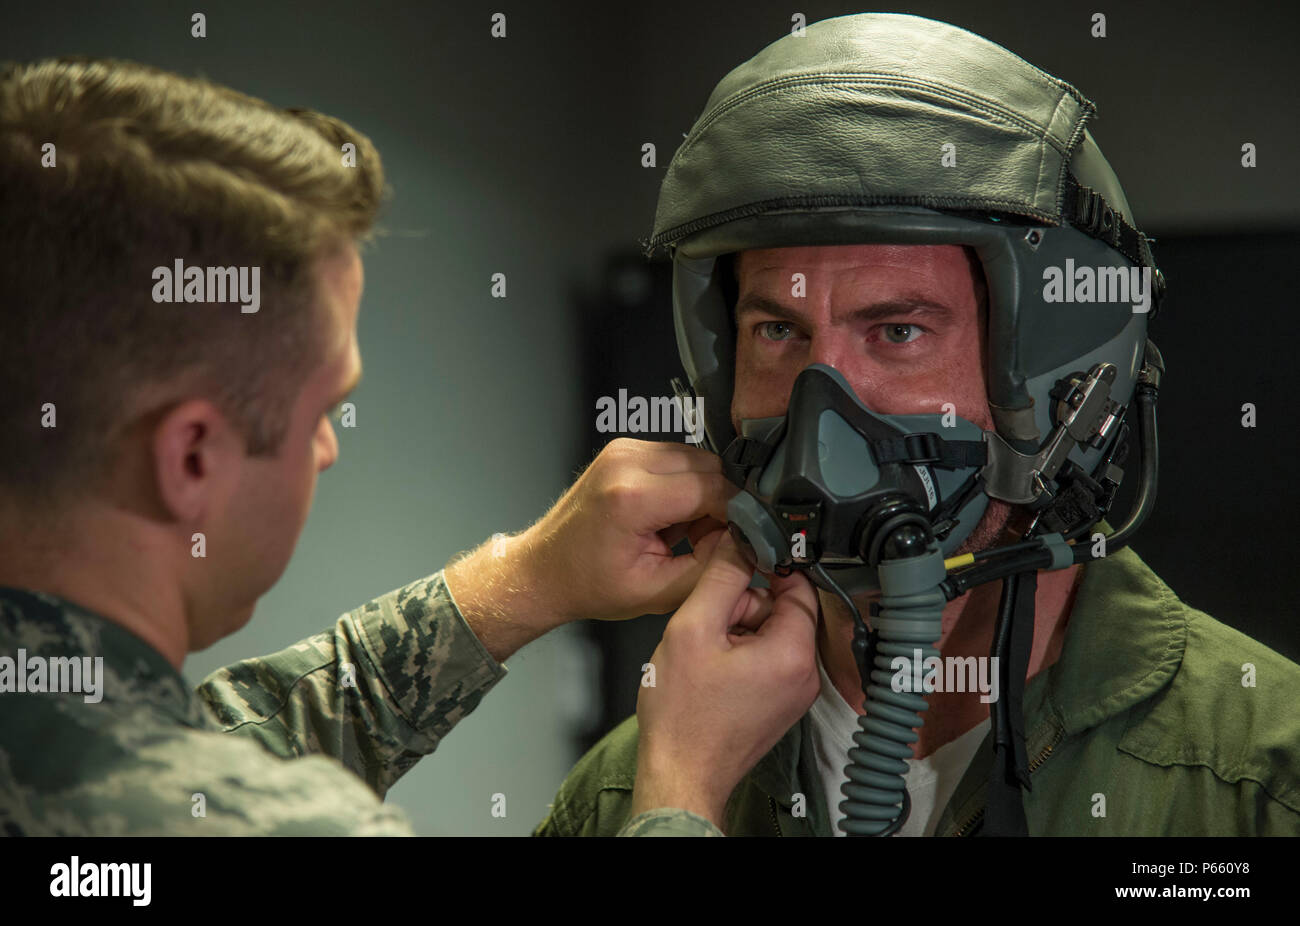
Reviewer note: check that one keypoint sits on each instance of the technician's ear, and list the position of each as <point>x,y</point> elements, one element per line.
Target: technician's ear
<point>197,459</point>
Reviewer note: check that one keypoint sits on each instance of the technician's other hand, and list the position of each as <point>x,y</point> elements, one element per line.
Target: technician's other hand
<point>735,670</point>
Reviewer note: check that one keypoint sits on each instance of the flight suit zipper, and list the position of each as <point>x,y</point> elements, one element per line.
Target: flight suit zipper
<point>966,828</point>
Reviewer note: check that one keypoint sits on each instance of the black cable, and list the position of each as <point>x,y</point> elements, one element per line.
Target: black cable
<point>986,555</point>
<point>817,568</point>
<point>959,583</point>
<point>1146,399</point>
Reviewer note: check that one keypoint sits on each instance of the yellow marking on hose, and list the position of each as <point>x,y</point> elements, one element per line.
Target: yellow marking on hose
<point>957,561</point>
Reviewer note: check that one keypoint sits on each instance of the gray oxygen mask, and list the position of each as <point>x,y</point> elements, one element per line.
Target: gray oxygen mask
<point>827,481</point>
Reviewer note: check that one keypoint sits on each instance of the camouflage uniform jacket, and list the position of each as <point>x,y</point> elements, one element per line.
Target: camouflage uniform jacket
<point>1157,720</point>
<point>261,746</point>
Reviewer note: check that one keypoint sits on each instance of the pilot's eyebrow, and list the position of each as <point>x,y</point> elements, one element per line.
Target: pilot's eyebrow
<point>875,311</point>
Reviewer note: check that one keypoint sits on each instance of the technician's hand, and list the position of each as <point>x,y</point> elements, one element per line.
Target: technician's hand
<point>603,551</point>
<point>722,699</point>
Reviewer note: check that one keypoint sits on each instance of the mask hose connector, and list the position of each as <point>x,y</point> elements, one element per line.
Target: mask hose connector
<point>906,627</point>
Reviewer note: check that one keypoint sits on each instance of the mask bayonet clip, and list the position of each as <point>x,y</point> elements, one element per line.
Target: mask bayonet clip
<point>1084,413</point>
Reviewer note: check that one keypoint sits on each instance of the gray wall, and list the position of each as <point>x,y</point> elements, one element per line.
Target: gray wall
<point>522,156</point>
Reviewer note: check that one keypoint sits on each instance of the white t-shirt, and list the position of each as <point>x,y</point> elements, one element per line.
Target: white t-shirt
<point>930,782</point>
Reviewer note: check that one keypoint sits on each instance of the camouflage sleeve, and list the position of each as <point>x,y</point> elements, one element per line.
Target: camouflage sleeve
<point>668,821</point>
<point>377,692</point>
